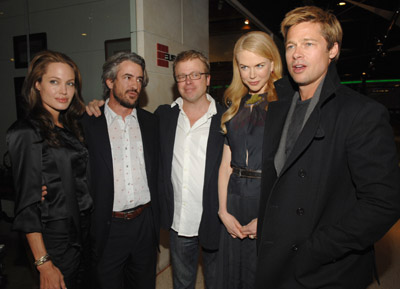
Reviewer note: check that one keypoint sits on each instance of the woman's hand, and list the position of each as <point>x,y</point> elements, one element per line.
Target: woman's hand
<point>93,108</point>
<point>232,225</point>
<point>50,276</point>
<point>250,230</point>
<point>44,192</point>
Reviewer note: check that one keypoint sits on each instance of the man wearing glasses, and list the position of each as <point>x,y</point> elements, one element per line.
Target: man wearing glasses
<point>191,150</point>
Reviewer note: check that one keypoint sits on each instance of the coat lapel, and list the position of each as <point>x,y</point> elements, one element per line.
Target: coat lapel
<point>169,140</point>
<point>308,133</point>
<point>146,140</point>
<point>276,117</point>
<point>312,128</point>
<point>212,145</point>
<point>100,131</point>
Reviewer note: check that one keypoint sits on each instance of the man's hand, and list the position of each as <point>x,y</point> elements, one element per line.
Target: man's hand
<point>93,108</point>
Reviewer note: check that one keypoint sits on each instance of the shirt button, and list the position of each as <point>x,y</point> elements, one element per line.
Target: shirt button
<point>302,173</point>
<point>295,248</point>
<point>300,211</point>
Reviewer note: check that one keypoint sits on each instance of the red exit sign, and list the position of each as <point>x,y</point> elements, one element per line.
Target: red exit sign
<point>163,57</point>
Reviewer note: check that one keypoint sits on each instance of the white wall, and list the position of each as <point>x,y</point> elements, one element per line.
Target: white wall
<point>178,24</point>
<point>63,21</point>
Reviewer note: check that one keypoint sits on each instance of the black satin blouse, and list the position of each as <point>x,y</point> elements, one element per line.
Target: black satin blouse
<point>61,169</point>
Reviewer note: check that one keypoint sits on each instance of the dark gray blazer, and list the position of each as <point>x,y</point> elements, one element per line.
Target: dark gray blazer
<point>210,225</point>
<point>102,181</point>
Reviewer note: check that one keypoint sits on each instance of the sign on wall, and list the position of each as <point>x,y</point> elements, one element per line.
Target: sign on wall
<point>163,57</point>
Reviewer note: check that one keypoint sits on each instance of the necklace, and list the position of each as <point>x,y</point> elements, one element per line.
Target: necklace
<point>254,99</point>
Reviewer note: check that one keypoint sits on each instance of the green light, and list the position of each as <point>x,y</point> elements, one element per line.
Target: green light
<point>370,81</point>
<point>219,86</point>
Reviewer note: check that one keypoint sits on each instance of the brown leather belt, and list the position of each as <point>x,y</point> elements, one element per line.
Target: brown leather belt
<point>131,214</point>
<point>245,173</point>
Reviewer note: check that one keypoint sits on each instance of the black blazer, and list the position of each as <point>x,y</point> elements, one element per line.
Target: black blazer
<point>210,224</point>
<point>101,168</point>
<point>336,195</point>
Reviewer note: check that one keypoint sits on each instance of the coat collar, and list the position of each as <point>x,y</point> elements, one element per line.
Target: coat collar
<point>286,87</point>
<point>312,129</point>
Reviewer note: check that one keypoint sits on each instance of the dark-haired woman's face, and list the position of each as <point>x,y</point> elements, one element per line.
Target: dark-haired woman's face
<point>254,71</point>
<point>57,87</point>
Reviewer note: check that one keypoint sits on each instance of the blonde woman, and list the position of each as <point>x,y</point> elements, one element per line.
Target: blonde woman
<point>256,65</point>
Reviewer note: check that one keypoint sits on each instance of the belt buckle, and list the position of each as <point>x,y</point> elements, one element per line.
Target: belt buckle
<point>126,216</point>
<point>240,172</point>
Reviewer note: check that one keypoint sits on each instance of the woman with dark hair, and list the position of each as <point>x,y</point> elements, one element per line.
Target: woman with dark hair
<point>47,149</point>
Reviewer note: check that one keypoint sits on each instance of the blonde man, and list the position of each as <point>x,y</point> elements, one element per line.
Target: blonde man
<point>330,179</point>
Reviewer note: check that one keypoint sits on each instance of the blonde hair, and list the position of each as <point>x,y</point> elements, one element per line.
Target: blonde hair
<point>259,43</point>
<point>331,29</point>
<point>190,55</point>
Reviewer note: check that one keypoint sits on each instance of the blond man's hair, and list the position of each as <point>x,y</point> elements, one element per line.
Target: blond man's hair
<point>330,27</point>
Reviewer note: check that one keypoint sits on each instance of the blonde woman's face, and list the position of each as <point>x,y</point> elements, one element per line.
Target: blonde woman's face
<point>254,71</point>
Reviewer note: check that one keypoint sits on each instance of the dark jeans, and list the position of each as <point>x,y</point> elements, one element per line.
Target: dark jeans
<point>184,259</point>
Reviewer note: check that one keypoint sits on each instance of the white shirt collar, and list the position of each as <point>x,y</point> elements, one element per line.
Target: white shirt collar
<point>111,115</point>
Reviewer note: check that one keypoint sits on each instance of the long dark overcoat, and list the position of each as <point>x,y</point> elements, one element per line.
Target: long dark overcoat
<point>338,193</point>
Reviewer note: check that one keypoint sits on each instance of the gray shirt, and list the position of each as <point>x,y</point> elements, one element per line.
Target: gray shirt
<point>298,115</point>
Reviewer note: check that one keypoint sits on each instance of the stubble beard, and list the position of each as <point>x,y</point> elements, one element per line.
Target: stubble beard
<point>124,102</point>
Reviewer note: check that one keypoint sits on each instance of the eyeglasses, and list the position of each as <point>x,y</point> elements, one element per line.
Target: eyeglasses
<point>192,76</point>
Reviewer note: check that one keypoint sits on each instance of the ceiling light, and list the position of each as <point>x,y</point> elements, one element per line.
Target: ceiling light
<point>246,21</point>
<point>12,59</point>
<point>84,34</point>
<point>342,3</point>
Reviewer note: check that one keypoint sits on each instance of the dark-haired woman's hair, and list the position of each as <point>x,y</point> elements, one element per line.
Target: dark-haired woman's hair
<point>34,106</point>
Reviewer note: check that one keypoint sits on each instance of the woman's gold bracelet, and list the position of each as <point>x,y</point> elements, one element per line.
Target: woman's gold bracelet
<point>42,260</point>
